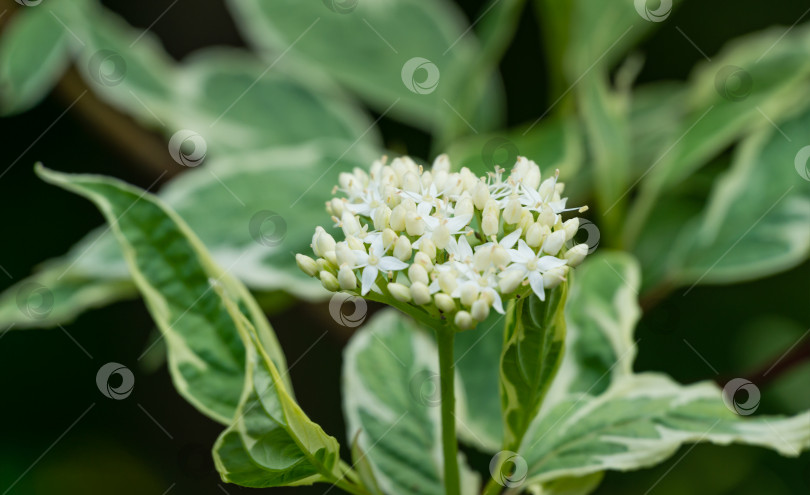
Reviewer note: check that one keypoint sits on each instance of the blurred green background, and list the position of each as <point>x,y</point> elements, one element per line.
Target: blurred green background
<point>156,443</point>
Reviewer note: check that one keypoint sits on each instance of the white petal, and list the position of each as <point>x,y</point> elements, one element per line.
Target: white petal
<point>360,258</point>
<point>536,281</point>
<point>423,209</point>
<point>525,251</point>
<point>546,263</point>
<point>457,223</point>
<point>511,239</point>
<point>558,206</point>
<point>496,302</point>
<point>464,249</point>
<point>389,263</point>
<point>369,275</point>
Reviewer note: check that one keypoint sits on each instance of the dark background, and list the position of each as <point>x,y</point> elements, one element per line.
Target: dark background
<point>48,381</point>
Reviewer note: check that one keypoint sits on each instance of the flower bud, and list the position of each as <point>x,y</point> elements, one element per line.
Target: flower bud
<point>331,258</point>
<point>463,320</point>
<point>402,248</point>
<point>397,218</point>
<point>346,278</point>
<point>410,182</point>
<point>350,224</point>
<point>532,178</point>
<point>306,264</point>
<point>444,302</point>
<point>414,224</point>
<point>480,195</point>
<point>389,237</point>
<point>422,259</point>
<point>440,178</point>
<point>322,242</point>
<point>336,207</point>
<point>500,256</point>
<point>344,254</point>
<point>468,179</point>
<point>571,226</point>
<point>553,277</point>
<point>447,281</point>
<point>329,281</point>
<point>322,264</point>
<point>547,188</point>
<point>490,225</point>
<point>469,293</point>
<point>513,211</point>
<point>482,258</point>
<point>491,208</point>
<point>400,292</point>
<point>576,254</point>
<point>480,310</point>
<point>417,273</point>
<point>554,242</point>
<point>429,248</point>
<point>441,236</point>
<point>534,235</point>
<point>441,163</point>
<point>382,216</point>
<point>526,219</point>
<point>420,293</point>
<point>510,281</point>
<point>464,206</point>
<point>547,216</point>
<point>355,243</point>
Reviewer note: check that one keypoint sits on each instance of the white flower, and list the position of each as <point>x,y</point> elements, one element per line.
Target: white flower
<point>374,261</point>
<point>443,227</point>
<point>532,266</point>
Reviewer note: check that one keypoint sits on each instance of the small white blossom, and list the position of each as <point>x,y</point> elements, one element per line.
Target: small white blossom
<point>449,244</point>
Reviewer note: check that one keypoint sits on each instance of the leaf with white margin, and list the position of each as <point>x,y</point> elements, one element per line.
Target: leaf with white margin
<point>218,200</point>
<point>757,218</point>
<point>640,421</point>
<point>226,95</point>
<point>34,53</point>
<point>175,275</point>
<point>375,49</point>
<point>601,316</point>
<point>271,442</point>
<point>389,368</point>
<point>533,343</point>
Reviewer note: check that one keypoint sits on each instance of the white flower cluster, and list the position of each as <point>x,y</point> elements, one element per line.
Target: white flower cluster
<point>450,243</point>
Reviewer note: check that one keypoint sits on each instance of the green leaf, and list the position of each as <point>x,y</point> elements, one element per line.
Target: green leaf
<point>47,298</point>
<point>227,96</point>
<point>228,204</point>
<point>757,82</point>
<point>534,338</point>
<point>404,58</point>
<point>175,274</point>
<point>757,218</point>
<point>640,421</point>
<point>478,356</point>
<point>271,442</point>
<point>391,397</point>
<point>34,53</point>
<point>601,316</point>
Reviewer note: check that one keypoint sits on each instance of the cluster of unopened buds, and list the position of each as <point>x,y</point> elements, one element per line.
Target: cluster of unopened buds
<point>447,243</point>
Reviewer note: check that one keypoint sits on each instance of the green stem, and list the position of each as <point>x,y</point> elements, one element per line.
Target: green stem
<point>444,338</point>
<point>492,488</point>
